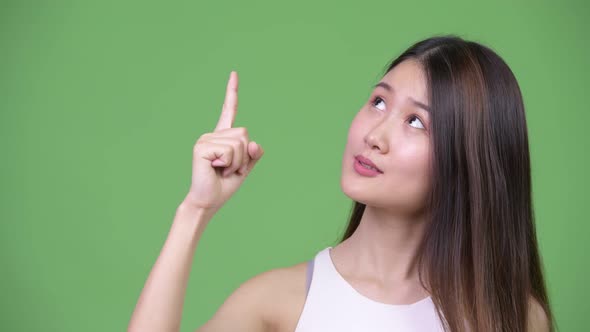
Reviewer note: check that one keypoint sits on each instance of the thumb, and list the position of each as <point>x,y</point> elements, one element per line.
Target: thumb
<point>255,151</point>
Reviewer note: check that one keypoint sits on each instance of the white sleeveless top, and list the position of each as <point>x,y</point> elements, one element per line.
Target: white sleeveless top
<point>332,304</point>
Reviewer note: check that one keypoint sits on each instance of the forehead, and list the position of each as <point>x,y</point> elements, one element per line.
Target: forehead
<point>408,81</point>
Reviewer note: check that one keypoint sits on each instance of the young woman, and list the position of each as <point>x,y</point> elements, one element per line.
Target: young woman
<point>441,234</point>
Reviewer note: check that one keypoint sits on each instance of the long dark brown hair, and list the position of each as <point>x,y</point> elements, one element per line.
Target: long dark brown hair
<point>479,253</point>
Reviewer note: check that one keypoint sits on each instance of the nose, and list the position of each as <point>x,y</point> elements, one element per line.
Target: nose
<point>377,137</point>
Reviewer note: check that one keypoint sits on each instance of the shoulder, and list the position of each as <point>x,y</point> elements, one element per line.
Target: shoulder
<point>272,286</point>
<point>268,301</point>
<point>282,278</point>
<point>285,289</point>
<point>537,318</point>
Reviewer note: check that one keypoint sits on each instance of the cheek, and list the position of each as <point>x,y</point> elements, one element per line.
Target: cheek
<point>413,157</point>
<point>409,172</point>
<point>410,161</point>
<point>355,139</point>
<point>355,144</point>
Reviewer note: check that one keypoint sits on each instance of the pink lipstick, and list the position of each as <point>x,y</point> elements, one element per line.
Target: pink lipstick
<point>365,167</point>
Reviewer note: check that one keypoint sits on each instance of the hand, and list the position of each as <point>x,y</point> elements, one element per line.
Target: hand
<point>223,158</point>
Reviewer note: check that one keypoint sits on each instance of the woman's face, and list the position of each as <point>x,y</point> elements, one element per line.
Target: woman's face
<point>392,130</point>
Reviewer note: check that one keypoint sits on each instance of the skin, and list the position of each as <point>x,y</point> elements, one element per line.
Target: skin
<point>392,131</point>
<point>377,260</point>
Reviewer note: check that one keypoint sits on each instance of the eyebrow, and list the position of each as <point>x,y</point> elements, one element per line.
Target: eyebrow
<point>390,89</point>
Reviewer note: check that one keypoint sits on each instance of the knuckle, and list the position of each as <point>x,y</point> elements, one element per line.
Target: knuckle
<point>197,145</point>
<point>237,153</point>
<point>242,131</point>
<point>203,137</point>
<point>228,150</point>
<point>231,155</point>
<point>246,142</point>
<point>239,145</point>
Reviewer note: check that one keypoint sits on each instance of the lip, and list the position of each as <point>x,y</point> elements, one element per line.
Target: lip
<point>367,161</point>
<point>360,169</point>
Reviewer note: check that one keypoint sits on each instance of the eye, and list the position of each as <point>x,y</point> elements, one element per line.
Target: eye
<point>415,119</point>
<point>377,100</point>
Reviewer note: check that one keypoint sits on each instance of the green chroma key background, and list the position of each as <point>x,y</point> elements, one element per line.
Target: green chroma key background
<point>102,101</point>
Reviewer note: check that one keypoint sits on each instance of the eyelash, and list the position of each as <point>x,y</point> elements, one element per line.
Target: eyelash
<point>413,116</point>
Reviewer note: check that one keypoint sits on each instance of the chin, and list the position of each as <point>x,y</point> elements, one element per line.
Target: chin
<point>355,191</point>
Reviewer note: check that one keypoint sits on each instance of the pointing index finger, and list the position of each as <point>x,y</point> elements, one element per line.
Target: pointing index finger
<point>230,104</point>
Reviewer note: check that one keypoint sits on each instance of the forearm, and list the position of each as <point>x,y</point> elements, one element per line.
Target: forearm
<point>159,307</point>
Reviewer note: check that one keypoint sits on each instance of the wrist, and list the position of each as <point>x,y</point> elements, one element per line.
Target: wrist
<point>194,214</point>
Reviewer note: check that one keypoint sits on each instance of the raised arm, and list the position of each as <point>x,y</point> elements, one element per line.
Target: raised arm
<point>221,161</point>
<point>159,307</point>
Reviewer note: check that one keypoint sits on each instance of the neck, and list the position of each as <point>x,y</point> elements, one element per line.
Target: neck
<point>385,245</point>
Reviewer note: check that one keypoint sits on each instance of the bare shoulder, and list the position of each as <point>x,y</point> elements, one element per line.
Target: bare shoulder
<point>291,295</point>
<point>270,301</point>
<point>537,318</point>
